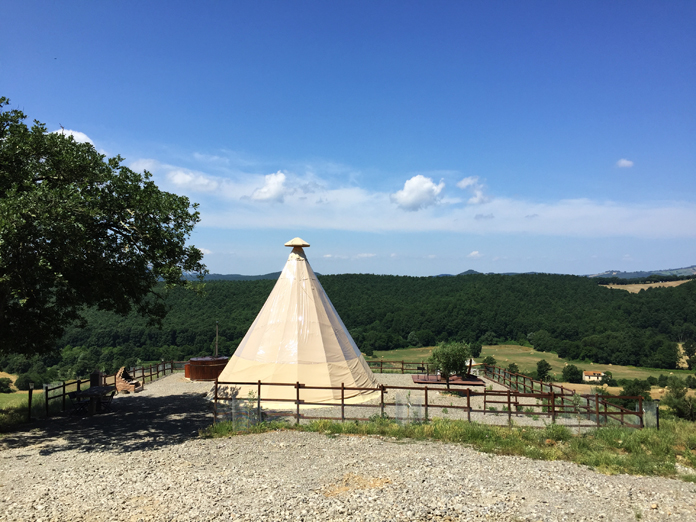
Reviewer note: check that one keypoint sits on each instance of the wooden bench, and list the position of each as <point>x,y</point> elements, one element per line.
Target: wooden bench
<point>124,382</point>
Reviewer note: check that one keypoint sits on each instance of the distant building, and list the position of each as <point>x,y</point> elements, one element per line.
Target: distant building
<point>592,376</point>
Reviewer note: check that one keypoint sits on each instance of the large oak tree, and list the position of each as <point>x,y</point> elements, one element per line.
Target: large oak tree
<point>78,229</point>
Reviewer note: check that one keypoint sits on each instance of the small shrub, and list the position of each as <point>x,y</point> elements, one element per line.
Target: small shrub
<point>6,385</point>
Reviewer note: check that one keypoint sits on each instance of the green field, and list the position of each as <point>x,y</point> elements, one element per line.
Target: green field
<point>10,400</point>
<point>526,359</point>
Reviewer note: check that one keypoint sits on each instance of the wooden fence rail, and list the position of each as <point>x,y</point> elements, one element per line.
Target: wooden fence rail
<point>546,404</point>
<point>569,400</point>
<point>142,373</point>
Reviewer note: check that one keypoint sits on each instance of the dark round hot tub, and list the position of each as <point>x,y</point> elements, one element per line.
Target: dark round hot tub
<point>205,368</point>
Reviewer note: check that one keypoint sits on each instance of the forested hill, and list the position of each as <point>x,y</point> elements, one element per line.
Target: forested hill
<point>571,315</point>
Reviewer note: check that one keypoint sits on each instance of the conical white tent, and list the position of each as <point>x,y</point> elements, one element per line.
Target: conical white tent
<point>298,337</point>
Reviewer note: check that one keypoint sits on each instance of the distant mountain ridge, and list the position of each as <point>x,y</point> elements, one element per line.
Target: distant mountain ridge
<point>690,270</point>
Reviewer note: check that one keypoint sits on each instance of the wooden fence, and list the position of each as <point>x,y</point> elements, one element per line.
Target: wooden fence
<point>567,400</point>
<point>401,367</point>
<point>61,391</point>
<point>514,404</point>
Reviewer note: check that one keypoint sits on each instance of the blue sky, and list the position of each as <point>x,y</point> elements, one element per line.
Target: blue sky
<point>411,138</point>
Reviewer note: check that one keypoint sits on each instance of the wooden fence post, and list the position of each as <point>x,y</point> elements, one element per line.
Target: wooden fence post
<point>381,402</point>
<point>31,391</point>
<point>509,410</point>
<point>63,396</point>
<point>215,402</point>
<point>381,361</point>
<point>46,397</point>
<point>553,407</point>
<point>596,404</point>
<point>485,404</point>
<point>297,402</point>
<point>258,402</point>
<point>426,403</point>
<point>640,409</point>
<point>468,404</point>
<point>343,402</point>
<point>402,366</point>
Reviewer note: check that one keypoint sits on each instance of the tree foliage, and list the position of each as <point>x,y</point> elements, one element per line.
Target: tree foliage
<point>6,385</point>
<point>79,230</point>
<point>451,359</point>
<point>543,370</point>
<point>677,400</point>
<point>572,373</point>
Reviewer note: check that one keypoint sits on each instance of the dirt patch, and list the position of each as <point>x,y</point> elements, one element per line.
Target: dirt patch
<point>353,482</point>
<point>634,289</point>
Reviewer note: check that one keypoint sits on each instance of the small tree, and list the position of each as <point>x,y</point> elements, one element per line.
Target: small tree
<point>572,373</point>
<point>476,349</point>
<point>608,379</point>
<point>543,369</point>
<point>513,368</point>
<point>6,385</point>
<point>451,359</point>
<point>683,407</point>
<point>490,360</point>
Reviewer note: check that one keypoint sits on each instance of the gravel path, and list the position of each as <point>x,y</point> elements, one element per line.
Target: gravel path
<point>144,462</point>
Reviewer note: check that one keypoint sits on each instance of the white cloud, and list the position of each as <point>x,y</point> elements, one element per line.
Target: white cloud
<point>472,184</point>
<point>624,163</point>
<point>467,182</point>
<point>418,192</point>
<point>475,254</point>
<point>352,208</point>
<point>205,251</point>
<point>273,188</point>
<point>79,137</point>
<point>361,256</point>
<point>193,181</point>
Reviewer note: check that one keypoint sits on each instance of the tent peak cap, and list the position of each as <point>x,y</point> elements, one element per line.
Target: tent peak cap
<point>297,242</point>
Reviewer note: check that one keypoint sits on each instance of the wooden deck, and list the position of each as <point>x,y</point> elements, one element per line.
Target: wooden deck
<point>469,380</point>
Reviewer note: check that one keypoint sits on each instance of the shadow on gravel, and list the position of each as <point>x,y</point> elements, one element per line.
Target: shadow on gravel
<point>137,423</point>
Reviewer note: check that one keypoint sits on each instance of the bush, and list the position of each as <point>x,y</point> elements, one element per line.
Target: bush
<point>22,382</point>
<point>662,381</point>
<point>690,382</point>
<point>6,385</point>
<point>652,380</point>
<point>476,349</point>
<point>490,361</point>
<point>682,406</point>
<point>543,369</point>
<point>572,373</point>
<point>513,368</point>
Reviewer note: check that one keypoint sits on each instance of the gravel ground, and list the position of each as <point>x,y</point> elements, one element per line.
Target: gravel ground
<point>144,462</point>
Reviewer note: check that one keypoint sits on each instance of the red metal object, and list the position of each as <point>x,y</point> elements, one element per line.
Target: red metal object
<point>205,368</point>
